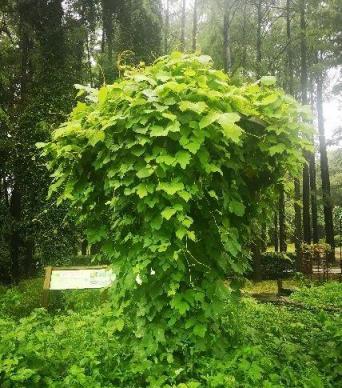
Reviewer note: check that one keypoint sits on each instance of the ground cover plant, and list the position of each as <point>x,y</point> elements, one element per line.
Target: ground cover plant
<point>268,347</point>
<point>167,169</point>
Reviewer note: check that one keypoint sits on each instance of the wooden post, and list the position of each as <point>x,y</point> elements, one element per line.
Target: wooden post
<point>46,287</point>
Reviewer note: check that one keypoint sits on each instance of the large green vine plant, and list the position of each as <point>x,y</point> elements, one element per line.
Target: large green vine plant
<point>167,168</point>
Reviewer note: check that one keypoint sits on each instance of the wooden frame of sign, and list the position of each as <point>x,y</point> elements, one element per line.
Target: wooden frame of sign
<point>71,278</point>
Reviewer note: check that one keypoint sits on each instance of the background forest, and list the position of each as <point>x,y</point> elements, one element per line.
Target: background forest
<point>48,46</point>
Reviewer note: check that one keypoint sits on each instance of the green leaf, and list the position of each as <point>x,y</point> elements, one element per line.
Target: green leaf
<point>156,222</point>
<point>182,158</point>
<point>145,172</point>
<point>200,330</point>
<point>268,80</point>
<point>237,208</point>
<point>277,149</point>
<point>193,145</point>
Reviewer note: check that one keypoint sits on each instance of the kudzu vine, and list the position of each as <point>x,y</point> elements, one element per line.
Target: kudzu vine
<point>167,168</point>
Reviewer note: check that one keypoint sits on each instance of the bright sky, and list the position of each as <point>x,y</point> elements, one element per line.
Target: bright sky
<point>332,106</point>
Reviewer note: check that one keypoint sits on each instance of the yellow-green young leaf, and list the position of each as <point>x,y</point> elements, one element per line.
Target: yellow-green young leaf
<point>232,132</point>
<point>228,118</point>
<point>168,212</point>
<point>102,95</point>
<point>95,136</point>
<point>211,117</point>
<point>213,194</point>
<point>142,190</point>
<point>166,159</point>
<point>171,188</point>
<point>198,107</point>
<point>268,80</point>
<point>40,145</point>
<point>157,130</point>
<point>270,99</point>
<point>191,235</point>
<point>185,195</point>
<point>181,232</point>
<point>277,149</point>
<point>173,127</point>
<point>183,158</point>
<point>145,172</point>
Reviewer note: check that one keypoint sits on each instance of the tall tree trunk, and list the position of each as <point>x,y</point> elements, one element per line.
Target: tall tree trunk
<point>226,38</point>
<point>327,203</point>
<point>194,27</point>
<point>304,87</point>
<point>297,195</point>
<point>282,226</point>
<point>313,184</point>
<point>182,39</point>
<point>166,28</point>
<point>258,38</point>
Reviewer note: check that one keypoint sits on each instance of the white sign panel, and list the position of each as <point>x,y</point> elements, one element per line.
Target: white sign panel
<point>71,279</point>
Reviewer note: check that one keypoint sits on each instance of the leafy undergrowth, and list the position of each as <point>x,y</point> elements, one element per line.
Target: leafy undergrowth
<point>269,286</point>
<point>269,346</point>
<point>327,295</point>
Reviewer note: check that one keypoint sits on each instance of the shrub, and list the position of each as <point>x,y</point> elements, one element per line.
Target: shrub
<point>277,265</point>
<point>167,168</point>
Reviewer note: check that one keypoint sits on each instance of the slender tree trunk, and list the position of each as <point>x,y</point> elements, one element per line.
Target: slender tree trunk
<point>182,39</point>
<point>282,226</point>
<point>298,238</point>
<point>15,239</point>
<point>194,27</point>
<point>166,28</point>
<point>313,198</point>
<point>258,38</point>
<point>244,49</point>
<point>84,246</point>
<point>304,87</point>
<point>275,235</point>
<point>327,203</point>
<point>226,38</point>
